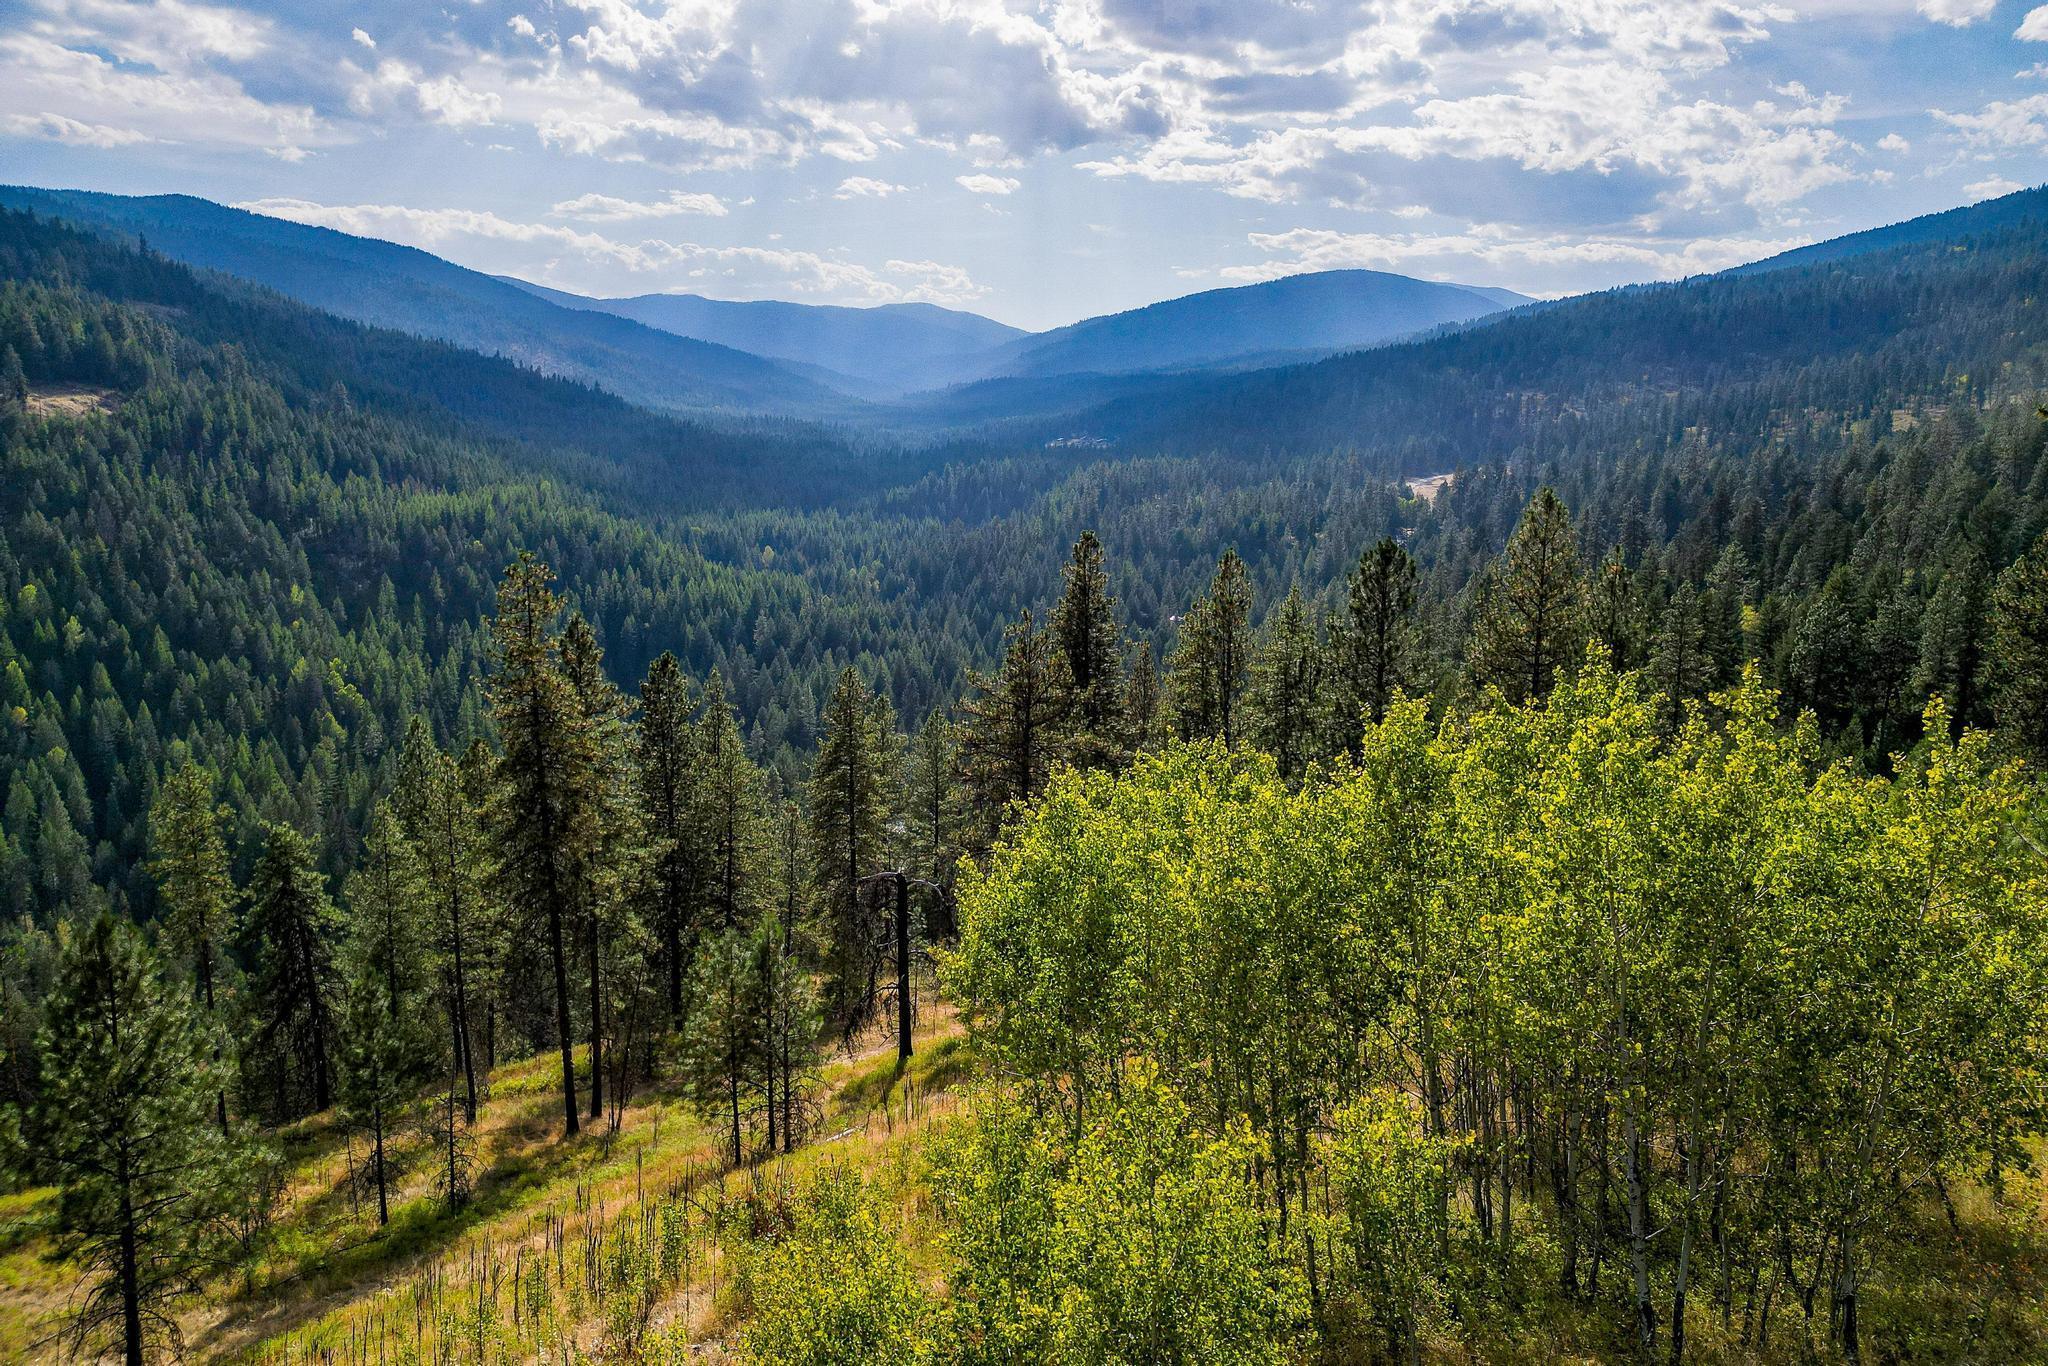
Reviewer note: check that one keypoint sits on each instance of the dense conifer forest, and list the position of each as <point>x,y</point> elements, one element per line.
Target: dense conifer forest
<point>493,871</point>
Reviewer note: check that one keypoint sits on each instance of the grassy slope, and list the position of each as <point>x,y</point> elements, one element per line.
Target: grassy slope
<point>622,1247</point>
<point>572,1230</point>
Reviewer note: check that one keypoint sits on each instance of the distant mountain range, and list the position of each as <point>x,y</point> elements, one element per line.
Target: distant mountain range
<point>1328,311</point>
<point>1851,318</point>
<point>906,348</point>
<point>890,348</point>
<point>682,352</point>
<point>400,287</point>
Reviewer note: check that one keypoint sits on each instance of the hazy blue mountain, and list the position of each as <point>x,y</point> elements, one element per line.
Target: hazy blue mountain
<point>890,348</point>
<point>400,287</point>
<point>1847,323</point>
<point>1326,311</point>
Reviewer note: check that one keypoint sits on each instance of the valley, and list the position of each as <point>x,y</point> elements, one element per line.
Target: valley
<point>1443,826</point>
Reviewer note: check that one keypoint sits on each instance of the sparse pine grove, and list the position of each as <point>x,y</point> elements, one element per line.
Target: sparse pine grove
<point>1295,1002</point>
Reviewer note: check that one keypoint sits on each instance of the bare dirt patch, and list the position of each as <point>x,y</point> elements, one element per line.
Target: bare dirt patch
<point>71,400</point>
<point>1429,486</point>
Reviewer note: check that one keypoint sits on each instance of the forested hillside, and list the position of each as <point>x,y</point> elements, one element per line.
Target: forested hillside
<point>1590,905</point>
<point>1950,313</point>
<point>411,291</point>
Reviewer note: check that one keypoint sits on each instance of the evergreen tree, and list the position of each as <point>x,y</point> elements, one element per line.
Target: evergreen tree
<point>1721,609</point>
<point>1206,681</point>
<point>1953,638</point>
<point>293,928</point>
<point>385,1055</point>
<point>1374,649</point>
<point>444,827</point>
<point>1286,702</point>
<point>1613,614</point>
<point>1891,652</point>
<point>1681,669</point>
<point>543,816</point>
<point>1531,620</point>
<point>1142,701</point>
<point>1825,667</point>
<point>608,872</point>
<point>13,380</point>
<point>388,935</point>
<point>666,771</point>
<point>497,920</point>
<point>194,880</point>
<point>726,1047</point>
<point>127,1131</point>
<point>853,795</point>
<point>1090,641</point>
<point>732,815</point>
<point>2019,651</point>
<point>1010,728</point>
<point>931,824</point>
<point>789,991</point>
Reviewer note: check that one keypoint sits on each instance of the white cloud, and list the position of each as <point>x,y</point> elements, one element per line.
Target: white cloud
<point>1992,187</point>
<point>397,85</point>
<point>363,38</point>
<point>549,252</point>
<point>1500,251</point>
<point>604,208</point>
<point>1960,13</point>
<point>2034,27</point>
<point>983,183</point>
<point>866,187</point>
<point>42,79</point>
<point>1893,143</point>
<point>2002,123</point>
<point>57,128</point>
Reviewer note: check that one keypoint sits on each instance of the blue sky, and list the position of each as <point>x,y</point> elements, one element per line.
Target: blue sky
<point>1040,162</point>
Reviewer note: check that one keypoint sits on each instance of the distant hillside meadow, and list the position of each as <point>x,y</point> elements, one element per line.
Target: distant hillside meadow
<point>1345,819</point>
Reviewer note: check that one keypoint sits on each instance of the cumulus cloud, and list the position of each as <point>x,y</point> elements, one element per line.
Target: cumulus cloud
<point>1992,187</point>
<point>604,208</point>
<point>57,87</point>
<point>1893,143</point>
<point>983,183</point>
<point>1960,13</point>
<point>2034,27</point>
<point>866,187</point>
<point>57,128</point>
<point>550,252</point>
<point>1498,251</point>
<point>2002,123</point>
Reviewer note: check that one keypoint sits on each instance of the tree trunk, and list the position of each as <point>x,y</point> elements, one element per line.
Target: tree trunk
<point>562,1028</point>
<point>131,1275</point>
<point>1639,1236</point>
<point>377,1132</point>
<point>596,1018</point>
<point>463,1051</point>
<point>902,968</point>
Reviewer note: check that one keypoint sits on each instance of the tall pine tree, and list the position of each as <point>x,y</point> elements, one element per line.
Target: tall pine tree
<point>1374,647</point>
<point>1085,627</point>
<point>196,884</point>
<point>544,814</point>
<point>294,930</point>
<point>1287,707</point>
<point>664,765</point>
<point>126,1131</point>
<point>1011,728</point>
<point>1531,619</point>
<point>853,795</point>
<point>1206,682</point>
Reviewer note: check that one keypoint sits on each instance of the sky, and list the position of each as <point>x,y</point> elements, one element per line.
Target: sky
<point>1040,162</point>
